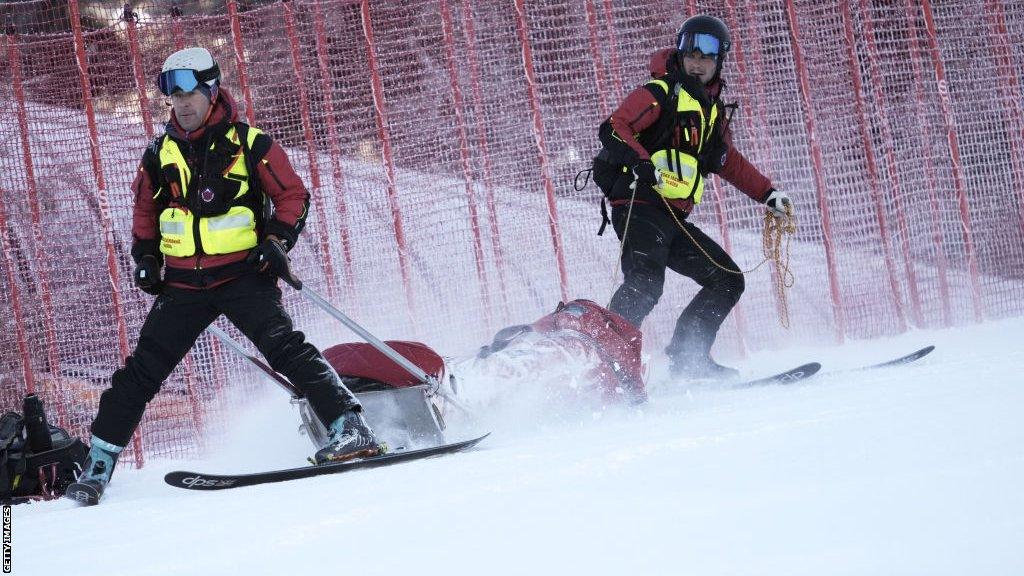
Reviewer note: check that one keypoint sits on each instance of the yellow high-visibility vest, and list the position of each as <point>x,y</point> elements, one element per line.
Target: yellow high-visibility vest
<point>680,176</point>
<point>183,233</point>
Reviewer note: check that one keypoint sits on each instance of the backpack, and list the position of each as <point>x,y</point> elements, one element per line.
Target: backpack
<point>26,475</point>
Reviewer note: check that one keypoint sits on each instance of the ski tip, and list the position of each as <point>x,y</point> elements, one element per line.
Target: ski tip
<point>477,440</point>
<point>916,355</point>
<point>912,357</point>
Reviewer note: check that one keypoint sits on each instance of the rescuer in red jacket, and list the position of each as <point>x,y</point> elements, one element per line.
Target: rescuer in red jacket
<point>660,145</point>
<point>217,206</point>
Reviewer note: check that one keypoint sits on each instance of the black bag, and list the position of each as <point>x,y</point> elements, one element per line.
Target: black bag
<point>26,475</point>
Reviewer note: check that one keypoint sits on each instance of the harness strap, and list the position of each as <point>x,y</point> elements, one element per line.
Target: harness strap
<point>605,221</point>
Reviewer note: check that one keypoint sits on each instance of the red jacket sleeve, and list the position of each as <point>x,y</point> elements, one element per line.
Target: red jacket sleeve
<point>287,193</point>
<point>739,172</point>
<point>144,210</point>
<point>637,112</point>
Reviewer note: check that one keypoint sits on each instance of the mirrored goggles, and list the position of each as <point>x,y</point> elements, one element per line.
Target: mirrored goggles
<point>174,80</point>
<point>706,43</point>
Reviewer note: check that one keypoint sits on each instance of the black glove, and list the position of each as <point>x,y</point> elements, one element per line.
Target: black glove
<point>645,174</point>
<point>147,275</point>
<point>270,257</point>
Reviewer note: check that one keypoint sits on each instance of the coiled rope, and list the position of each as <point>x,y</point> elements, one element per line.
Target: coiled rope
<point>778,230</point>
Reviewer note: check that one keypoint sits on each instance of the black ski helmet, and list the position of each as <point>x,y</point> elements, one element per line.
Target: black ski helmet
<point>704,24</point>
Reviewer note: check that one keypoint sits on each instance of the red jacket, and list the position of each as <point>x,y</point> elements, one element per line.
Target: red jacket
<point>277,179</point>
<point>640,111</point>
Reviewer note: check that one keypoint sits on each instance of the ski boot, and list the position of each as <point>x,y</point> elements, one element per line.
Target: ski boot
<point>702,369</point>
<point>350,438</point>
<point>96,472</point>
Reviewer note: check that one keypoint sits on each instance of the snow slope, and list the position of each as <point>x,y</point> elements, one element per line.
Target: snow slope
<point>913,470</point>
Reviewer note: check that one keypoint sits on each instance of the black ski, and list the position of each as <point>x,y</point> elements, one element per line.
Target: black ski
<point>788,377</point>
<point>912,357</point>
<point>198,481</point>
<point>807,370</point>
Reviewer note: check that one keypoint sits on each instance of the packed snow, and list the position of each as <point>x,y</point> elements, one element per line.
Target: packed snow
<point>909,470</point>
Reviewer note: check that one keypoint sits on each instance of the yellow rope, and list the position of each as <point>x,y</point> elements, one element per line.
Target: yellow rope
<point>622,244</point>
<point>775,227</point>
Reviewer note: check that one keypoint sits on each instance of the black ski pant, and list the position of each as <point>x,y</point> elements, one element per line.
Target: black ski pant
<point>252,303</point>
<point>655,242</point>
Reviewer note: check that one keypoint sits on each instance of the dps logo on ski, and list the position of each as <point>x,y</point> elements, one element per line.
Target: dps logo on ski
<point>200,482</point>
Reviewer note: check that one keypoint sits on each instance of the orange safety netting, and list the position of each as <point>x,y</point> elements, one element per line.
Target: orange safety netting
<point>440,140</point>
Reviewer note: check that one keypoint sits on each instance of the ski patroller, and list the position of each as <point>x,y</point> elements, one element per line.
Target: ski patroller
<point>200,481</point>
<point>90,495</point>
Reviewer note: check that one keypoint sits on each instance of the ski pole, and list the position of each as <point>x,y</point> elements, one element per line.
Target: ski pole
<point>387,351</point>
<point>383,348</point>
<point>270,372</point>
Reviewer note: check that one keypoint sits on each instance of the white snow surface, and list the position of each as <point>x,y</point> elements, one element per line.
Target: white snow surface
<point>903,471</point>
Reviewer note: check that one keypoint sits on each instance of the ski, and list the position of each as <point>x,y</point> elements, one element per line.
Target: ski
<point>807,370</point>
<point>912,357</point>
<point>790,376</point>
<point>198,481</point>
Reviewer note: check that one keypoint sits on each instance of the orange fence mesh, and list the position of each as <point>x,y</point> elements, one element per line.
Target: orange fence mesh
<point>440,140</point>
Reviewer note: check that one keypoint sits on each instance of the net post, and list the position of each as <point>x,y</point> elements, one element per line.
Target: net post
<point>874,182</point>
<point>323,227</point>
<point>383,132</point>
<point>104,203</point>
<point>838,310</point>
<point>522,28</point>
<point>447,29</point>
<point>956,163</point>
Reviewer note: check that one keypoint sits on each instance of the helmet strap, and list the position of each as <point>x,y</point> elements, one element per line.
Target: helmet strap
<point>212,73</point>
<point>209,111</point>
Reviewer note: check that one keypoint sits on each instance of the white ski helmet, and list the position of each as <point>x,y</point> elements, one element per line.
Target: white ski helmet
<point>188,69</point>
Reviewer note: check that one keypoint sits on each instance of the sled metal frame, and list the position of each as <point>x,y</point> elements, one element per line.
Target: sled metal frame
<point>402,417</point>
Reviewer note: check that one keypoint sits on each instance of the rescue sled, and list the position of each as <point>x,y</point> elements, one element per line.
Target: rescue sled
<point>397,382</point>
<point>404,411</point>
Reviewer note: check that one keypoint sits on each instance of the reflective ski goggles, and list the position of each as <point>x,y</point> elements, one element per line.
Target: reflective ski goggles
<point>706,43</point>
<point>185,80</point>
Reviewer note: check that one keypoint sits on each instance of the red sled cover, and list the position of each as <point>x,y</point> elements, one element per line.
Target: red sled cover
<point>362,360</point>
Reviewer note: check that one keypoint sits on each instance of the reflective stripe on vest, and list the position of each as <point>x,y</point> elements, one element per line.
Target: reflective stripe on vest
<point>680,176</point>
<point>233,231</point>
<point>228,221</point>
<point>172,228</point>
<point>176,232</point>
